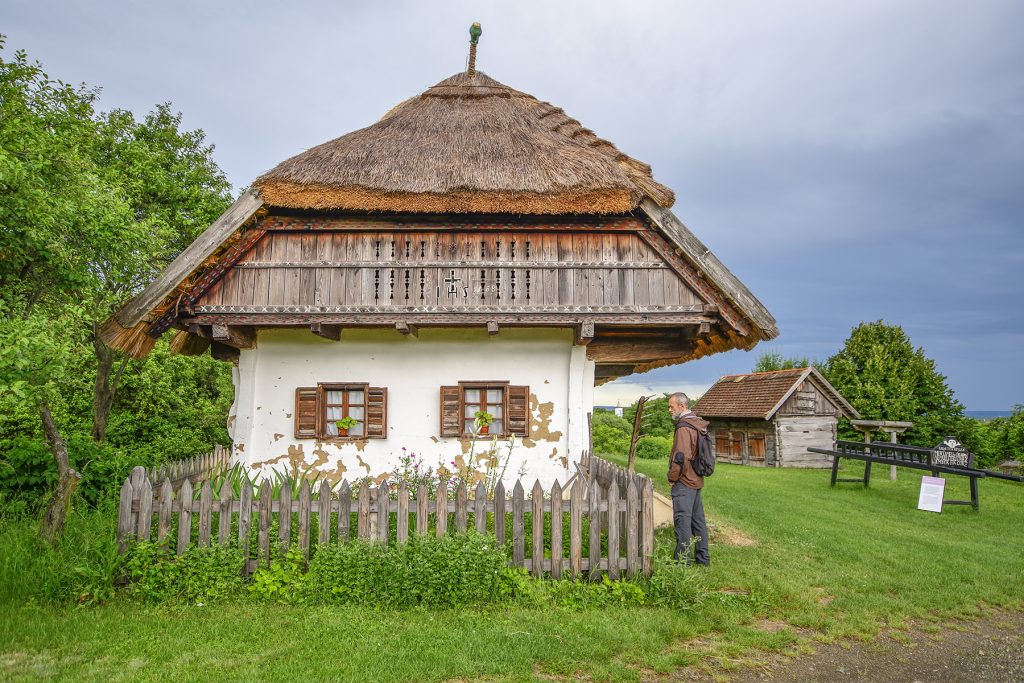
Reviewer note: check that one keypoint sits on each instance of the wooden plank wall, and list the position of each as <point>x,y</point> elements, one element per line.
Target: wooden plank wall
<point>618,508</point>
<point>294,270</point>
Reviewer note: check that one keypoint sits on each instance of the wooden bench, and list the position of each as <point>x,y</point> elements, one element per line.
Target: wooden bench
<point>949,457</point>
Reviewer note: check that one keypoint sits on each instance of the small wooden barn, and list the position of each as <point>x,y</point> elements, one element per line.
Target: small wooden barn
<point>770,419</point>
<point>475,250</point>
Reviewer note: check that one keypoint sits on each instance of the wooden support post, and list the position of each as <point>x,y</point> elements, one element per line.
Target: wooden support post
<point>584,333</point>
<point>236,336</point>
<point>325,330</point>
<point>407,329</point>
<point>492,328</point>
<point>705,328</point>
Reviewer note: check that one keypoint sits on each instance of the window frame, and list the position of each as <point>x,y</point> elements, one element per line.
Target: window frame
<point>322,406</point>
<point>484,386</point>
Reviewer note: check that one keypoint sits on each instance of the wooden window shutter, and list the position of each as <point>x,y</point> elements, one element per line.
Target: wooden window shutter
<point>306,412</point>
<point>519,410</point>
<point>451,411</point>
<point>376,413</point>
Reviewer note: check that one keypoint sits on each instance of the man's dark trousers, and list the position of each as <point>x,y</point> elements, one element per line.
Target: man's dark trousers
<point>688,516</point>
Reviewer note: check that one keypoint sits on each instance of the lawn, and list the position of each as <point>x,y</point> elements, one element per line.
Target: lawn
<point>823,563</point>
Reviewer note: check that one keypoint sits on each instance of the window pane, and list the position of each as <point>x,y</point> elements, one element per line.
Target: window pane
<point>356,430</point>
<point>497,427</point>
<point>332,429</point>
<point>469,426</point>
<point>470,410</point>
<point>495,410</point>
<point>357,413</point>
<point>356,397</point>
<point>333,414</point>
<point>334,397</point>
<point>494,395</point>
<point>472,396</point>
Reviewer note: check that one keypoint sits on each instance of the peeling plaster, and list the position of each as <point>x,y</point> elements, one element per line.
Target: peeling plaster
<point>540,423</point>
<point>362,463</point>
<point>296,458</point>
<point>278,436</point>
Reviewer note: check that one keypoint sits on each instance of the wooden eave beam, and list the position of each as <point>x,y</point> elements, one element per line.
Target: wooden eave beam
<point>584,333</point>
<point>236,336</point>
<point>636,351</point>
<point>408,329</point>
<point>244,208</point>
<point>326,330</point>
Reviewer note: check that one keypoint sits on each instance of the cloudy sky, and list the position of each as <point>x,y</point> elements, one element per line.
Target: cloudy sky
<point>848,161</point>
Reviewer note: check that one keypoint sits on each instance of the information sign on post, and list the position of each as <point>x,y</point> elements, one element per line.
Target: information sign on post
<point>952,453</point>
<point>932,491</point>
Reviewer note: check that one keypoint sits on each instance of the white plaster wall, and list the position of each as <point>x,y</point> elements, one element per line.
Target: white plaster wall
<point>558,374</point>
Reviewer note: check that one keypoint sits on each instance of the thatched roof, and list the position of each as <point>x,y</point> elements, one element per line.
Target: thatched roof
<point>468,144</point>
<point>760,394</point>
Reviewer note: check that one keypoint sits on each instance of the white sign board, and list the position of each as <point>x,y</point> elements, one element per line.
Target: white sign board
<point>932,489</point>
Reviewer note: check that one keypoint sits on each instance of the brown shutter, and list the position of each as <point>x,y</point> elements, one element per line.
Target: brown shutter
<point>519,410</point>
<point>377,413</point>
<point>305,412</point>
<point>451,411</point>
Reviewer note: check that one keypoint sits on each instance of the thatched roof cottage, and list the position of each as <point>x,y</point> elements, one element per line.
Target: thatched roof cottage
<point>475,250</point>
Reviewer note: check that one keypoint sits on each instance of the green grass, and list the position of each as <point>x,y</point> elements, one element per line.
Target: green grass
<point>826,563</point>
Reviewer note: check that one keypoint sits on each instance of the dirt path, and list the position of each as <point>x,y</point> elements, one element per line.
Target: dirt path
<point>990,649</point>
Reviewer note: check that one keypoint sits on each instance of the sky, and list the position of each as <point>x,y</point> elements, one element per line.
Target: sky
<point>849,162</point>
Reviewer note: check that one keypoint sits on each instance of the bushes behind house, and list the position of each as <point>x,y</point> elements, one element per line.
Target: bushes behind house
<point>653,447</point>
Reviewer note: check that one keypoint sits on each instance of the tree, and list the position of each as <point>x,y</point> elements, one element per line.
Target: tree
<point>770,361</point>
<point>884,377</point>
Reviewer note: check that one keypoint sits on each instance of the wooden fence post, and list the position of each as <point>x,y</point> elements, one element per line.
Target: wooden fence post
<point>263,532</point>
<point>647,505</point>
<point>205,513</point>
<point>224,515</point>
<point>324,500</point>
<point>537,552</point>
<point>613,529</point>
<point>163,520</point>
<point>422,510</point>
<point>383,512</point>
<point>556,530</point>
<point>363,522</point>
<point>145,509</point>
<point>594,573</point>
<point>344,511</point>
<point>441,523</point>
<point>632,523</point>
<point>184,516</point>
<point>245,518</point>
<point>284,516</point>
<point>576,529</point>
<point>305,512</point>
<point>402,521</point>
<point>124,516</point>
<point>480,508</point>
<point>460,507</point>
<point>499,512</point>
<point>518,526</point>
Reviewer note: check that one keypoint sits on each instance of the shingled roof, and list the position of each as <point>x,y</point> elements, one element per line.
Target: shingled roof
<point>761,394</point>
<point>467,144</point>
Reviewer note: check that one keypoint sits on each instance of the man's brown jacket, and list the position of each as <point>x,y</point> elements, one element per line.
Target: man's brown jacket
<point>685,442</point>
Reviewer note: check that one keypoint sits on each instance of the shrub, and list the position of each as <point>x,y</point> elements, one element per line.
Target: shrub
<point>201,574</point>
<point>675,584</point>
<point>456,569</point>
<point>653,447</point>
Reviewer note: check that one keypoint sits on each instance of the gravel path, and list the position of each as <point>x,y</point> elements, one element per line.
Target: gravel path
<point>990,649</point>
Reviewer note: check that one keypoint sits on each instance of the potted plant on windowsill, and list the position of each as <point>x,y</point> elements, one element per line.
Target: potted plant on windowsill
<point>346,423</point>
<point>483,421</point>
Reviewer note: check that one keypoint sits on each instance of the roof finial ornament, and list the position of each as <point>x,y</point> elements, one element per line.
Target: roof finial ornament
<point>474,36</point>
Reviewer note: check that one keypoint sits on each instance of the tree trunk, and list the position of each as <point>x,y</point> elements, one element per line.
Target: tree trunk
<point>67,480</point>
<point>104,388</point>
<point>638,421</point>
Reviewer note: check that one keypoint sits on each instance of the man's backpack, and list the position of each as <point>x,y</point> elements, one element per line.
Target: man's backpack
<point>704,462</point>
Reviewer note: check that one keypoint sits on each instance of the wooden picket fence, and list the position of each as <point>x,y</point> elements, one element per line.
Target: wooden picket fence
<point>619,508</point>
<point>195,469</point>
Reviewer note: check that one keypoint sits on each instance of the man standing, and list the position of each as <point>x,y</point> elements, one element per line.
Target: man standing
<point>687,506</point>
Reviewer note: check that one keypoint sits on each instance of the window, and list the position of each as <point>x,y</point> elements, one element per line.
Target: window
<point>318,410</point>
<point>729,445</point>
<point>341,401</point>
<point>507,404</point>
